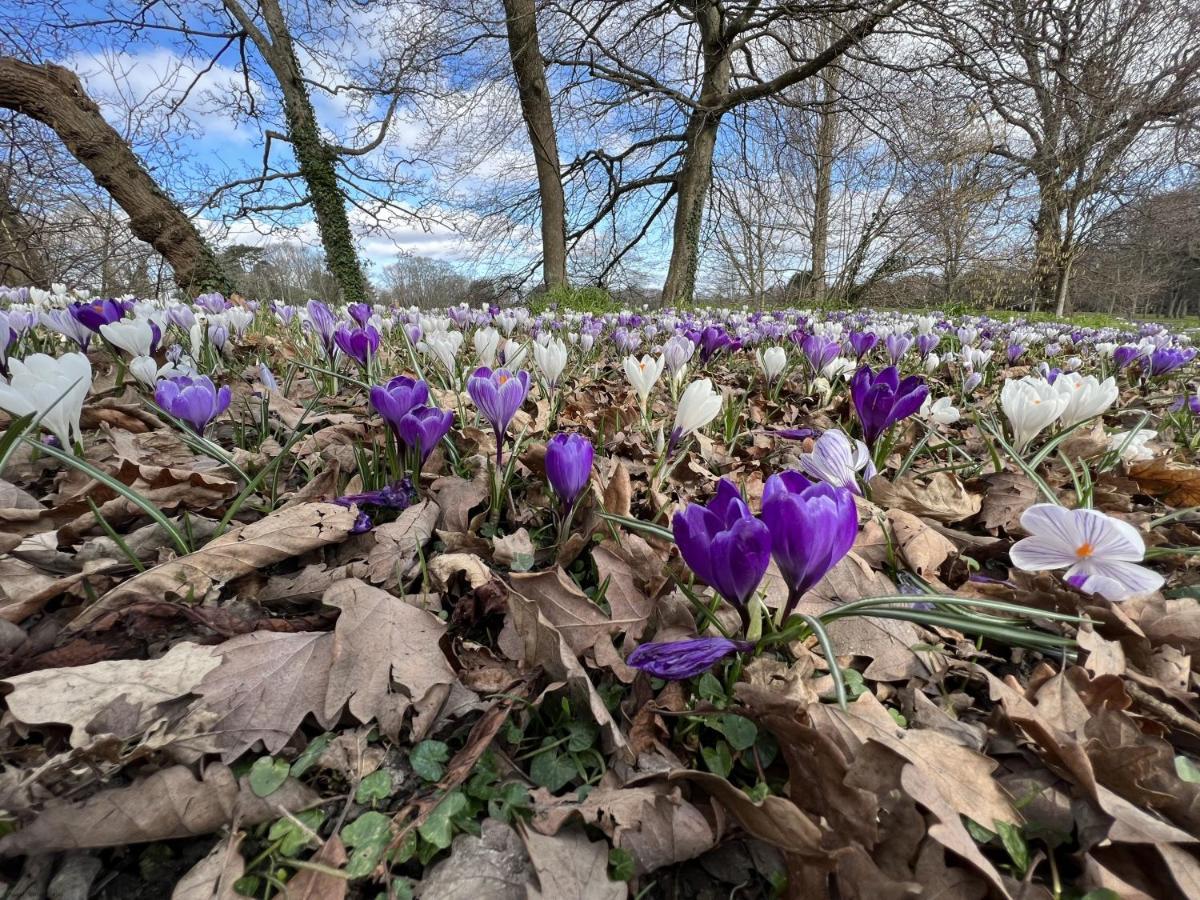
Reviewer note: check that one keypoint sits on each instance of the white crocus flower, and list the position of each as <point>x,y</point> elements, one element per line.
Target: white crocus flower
<point>1101,552</point>
<point>974,358</point>
<point>643,375</point>
<point>1105,349</point>
<point>839,365</point>
<point>925,324</point>
<point>444,347</point>
<point>54,389</point>
<point>940,411</point>
<point>148,372</point>
<point>773,362</point>
<point>551,359</point>
<point>134,336</point>
<point>1086,396</point>
<point>698,406</point>
<point>1132,444</point>
<point>487,342</point>
<point>932,361</point>
<point>513,354</point>
<point>1030,405</point>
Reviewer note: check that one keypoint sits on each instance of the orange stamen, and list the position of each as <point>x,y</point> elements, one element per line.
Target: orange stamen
<point>1085,551</point>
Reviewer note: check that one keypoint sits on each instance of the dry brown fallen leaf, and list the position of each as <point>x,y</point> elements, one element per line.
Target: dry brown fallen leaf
<point>920,546</point>
<point>1176,483</point>
<point>534,641</point>
<point>775,820</point>
<point>651,822</point>
<point>212,878</point>
<point>942,496</point>
<point>394,547</point>
<point>494,865</point>
<point>312,884</point>
<point>570,865</point>
<point>381,641</point>
<point>127,694</point>
<point>279,536</point>
<point>1006,496</point>
<point>382,659</point>
<point>580,621</point>
<point>171,803</point>
<point>514,551</point>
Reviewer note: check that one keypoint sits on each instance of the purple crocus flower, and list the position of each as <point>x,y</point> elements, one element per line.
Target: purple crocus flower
<point>1167,359</point>
<point>926,343</point>
<point>1013,352</point>
<point>423,427</point>
<point>360,313</point>
<point>211,303</point>
<point>812,527</point>
<point>360,344</point>
<point>712,341</point>
<point>724,545</point>
<point>882,399</point>
<point>626,341</point>
<point>897,345</point>
<point>96,313</point>
<point>181,316</point>
<point>196,401</point>
<point>324,323</point>
<point>218,336</point>
<point>1124,355</point>
<point>820,351</point>
<point>399,495</point>
<point>397,398</point>
<point>677,660</point>
<point>862,342</point>
<point>569,466</point>
<point>498,395</point>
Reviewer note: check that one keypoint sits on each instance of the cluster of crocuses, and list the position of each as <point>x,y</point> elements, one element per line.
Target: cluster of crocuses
<point>418,427</point>
<point>806,527</point>
<point>1031,404</point>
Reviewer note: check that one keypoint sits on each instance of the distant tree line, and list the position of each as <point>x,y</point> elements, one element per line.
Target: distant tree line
<point>1034,154</point>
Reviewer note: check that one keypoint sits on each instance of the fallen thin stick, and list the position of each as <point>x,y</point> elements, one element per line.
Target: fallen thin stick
<point>1174,718</point>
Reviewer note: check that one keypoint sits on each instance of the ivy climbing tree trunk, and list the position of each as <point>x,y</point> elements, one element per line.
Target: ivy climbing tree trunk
<point>315,159</point>
<point>54,96</point>
<point>529,69</point>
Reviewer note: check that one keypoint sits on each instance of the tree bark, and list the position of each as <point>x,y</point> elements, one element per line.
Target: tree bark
<point>54,96</point>
<point>22,260</point>
<point>529,69</point>
<point>823,177</point>
<point>314,157</point>
<point>695,174</point>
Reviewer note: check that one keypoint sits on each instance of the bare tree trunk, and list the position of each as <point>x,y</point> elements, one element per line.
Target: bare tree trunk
<point>529,69</point>
<point>315,159</point>
<point>695,175</point>
<point>823,178</point>
<point>22,260</point>
<point>1062,290</point>
<point>53,96</point>
<point>1047,247</point>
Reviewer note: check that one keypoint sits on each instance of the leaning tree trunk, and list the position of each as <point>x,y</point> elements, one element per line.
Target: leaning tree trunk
<point>315,159</point>
<point>694,179</point>
<point>54,96</point>
<point>529,69</point>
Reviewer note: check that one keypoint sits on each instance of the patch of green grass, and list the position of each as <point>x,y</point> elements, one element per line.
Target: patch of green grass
<point>585,299</point>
